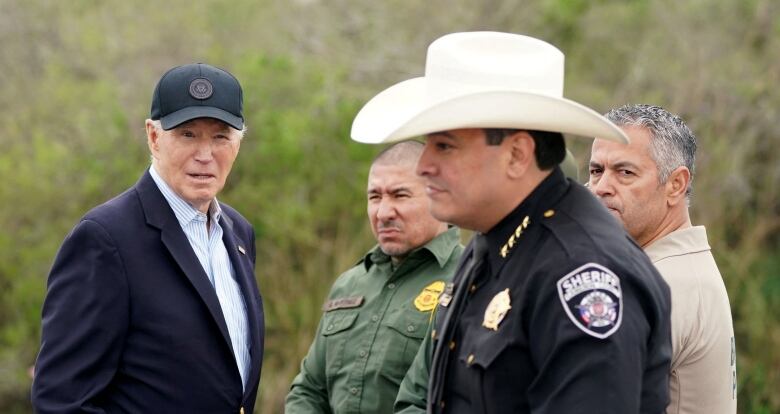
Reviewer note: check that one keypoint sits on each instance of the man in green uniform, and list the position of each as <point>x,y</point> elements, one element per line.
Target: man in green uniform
<point>378,312</point>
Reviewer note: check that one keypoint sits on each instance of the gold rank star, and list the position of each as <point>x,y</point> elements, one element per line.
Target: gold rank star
<point>514,237</point>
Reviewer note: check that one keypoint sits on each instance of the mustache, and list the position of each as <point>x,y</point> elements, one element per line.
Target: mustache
<point>389,225</point>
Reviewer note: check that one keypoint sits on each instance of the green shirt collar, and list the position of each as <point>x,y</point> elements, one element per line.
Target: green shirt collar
<point>440,246</point>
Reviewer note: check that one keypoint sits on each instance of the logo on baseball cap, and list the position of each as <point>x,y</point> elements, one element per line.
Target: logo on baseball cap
<point>195,91</point>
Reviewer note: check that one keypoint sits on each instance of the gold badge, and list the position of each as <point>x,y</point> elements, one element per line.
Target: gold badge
<point>427,299</point>
<point>497,309</point>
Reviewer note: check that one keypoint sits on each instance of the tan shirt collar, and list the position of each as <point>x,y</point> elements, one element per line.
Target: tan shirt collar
<point>679,242</point>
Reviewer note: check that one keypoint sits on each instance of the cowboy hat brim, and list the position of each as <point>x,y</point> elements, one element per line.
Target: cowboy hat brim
<point>422,106</point>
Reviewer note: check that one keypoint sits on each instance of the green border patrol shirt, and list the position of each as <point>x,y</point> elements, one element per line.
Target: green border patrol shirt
<point>372,325</point>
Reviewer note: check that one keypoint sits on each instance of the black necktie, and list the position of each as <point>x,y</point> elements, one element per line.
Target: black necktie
<point>441,351</point>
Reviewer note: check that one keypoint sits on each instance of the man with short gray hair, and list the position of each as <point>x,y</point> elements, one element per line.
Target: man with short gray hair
<point>647,186</point>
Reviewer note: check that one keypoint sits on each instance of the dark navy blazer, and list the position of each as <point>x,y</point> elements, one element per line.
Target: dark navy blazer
<point>131,322</point>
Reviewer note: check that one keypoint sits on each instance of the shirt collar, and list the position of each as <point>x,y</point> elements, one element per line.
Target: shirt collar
<point>527,214</point>
<point>441,247</point>
<point>184,211</point>
<point>679,242</point>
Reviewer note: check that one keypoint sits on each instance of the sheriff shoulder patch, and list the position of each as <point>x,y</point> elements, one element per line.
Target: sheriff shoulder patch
<point>592,299</point>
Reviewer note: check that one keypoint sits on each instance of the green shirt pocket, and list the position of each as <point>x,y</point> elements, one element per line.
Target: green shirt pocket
<point>412,324</point>
<point>402,338</point>
<point>335,322</point>
<point>335,333</point>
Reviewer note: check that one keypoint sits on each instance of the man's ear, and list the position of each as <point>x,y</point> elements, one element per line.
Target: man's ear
<point>152,135</point>
<point>677,184</point>
<point>521,148</point>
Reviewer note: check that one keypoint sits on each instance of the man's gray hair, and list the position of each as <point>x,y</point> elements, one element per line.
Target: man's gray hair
<point>672,143</point>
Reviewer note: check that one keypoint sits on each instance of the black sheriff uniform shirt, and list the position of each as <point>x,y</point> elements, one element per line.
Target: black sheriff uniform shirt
<point>566,314</point>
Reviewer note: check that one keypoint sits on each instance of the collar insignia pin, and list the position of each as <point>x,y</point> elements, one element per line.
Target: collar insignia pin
<point>504,251</point>
<point>515,237</point>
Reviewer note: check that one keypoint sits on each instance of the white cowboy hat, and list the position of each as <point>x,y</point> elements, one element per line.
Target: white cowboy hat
<point>481,80</point>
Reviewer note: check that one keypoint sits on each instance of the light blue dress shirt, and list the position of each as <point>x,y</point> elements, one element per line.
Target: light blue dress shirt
<point>213,256</point>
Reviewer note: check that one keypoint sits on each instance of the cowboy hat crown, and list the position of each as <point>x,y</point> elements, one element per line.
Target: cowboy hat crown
<point>481,80</point>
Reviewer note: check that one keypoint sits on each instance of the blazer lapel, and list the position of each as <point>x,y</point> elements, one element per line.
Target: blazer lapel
<point>160,215</point>
<point>237,250</point>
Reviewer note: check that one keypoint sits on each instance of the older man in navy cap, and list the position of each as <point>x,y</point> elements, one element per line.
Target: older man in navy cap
<point>152,304</point>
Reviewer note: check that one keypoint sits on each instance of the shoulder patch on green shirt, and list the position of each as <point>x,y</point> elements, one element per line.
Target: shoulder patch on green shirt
<point>342,303</point>
<point>427,299</point>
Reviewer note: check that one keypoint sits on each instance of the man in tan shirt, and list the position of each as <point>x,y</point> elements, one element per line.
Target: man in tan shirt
<point>647,186</point>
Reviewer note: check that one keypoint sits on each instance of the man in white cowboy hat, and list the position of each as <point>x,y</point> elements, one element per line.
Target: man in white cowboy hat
<point>553,308</point>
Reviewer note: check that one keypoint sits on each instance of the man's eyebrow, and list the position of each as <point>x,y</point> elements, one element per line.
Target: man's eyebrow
<point>446,134</point>
<point>400,189</point>
<point>616,166</point>
<point>625,164</point>
<point>391,190</point>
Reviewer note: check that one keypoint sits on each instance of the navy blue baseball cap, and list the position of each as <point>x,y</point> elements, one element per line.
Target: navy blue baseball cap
<point>195,91</point>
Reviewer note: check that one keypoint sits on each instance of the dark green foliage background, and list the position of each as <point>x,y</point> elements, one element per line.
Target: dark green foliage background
<point>76,79</point>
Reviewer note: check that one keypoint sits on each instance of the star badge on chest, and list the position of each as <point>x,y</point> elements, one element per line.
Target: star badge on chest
<point>497,310</point>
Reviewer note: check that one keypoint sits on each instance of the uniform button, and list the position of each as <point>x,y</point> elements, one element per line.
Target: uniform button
<point>353,390</point>
<point>549,213</point>
<point>470,359</point>
<point>452,345</point>
<point>375,318</point>
<point>433,334</point>
<point>241,411</point>
<point>473,288</point>
<point>391,286</point>
<point>362,352</point>
<point>410,328</point>
<point>441,403</point>
<point>329,328</point>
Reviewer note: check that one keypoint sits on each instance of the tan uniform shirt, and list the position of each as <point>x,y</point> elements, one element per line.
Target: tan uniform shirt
<point>704,370</point>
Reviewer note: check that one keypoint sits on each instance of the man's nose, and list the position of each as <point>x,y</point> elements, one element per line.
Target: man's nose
<point>203,150</point>
<point>386,210</point>
<point>602,186</point>
<point>424,165</point>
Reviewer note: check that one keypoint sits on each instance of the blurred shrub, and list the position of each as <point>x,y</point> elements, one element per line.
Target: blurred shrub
<point>77,78</point>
